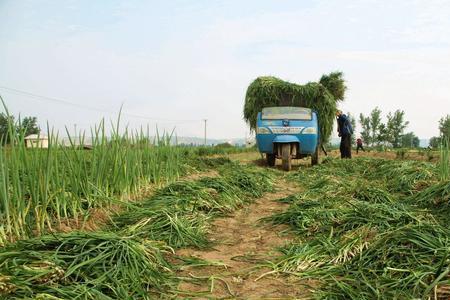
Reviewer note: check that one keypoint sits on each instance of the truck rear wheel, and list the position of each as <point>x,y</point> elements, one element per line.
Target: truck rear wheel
<point>270,159</point>
<point>286,156</point>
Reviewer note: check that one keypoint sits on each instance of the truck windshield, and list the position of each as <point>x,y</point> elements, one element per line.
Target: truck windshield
<point>286,112</point>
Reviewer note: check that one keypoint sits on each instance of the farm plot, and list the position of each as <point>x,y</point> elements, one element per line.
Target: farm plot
<point>365,228</point>
<point>132,258</point>
<point>47,190</point>
<point>369,229</point>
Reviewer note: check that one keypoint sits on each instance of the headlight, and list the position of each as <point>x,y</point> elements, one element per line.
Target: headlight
<point>309,130</point>
<point>263,130</point>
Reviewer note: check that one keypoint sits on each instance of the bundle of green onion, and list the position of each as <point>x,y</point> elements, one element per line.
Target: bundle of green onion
<point>100,265</point>
<point>322,97</point>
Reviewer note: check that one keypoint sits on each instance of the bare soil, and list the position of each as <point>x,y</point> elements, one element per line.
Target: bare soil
<point>255,158</point>
<point>243,243</point>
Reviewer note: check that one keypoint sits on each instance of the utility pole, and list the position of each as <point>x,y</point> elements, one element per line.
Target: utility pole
<point>204,120</point>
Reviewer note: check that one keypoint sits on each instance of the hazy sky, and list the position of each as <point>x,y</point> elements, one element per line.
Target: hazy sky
<point>178,62</point>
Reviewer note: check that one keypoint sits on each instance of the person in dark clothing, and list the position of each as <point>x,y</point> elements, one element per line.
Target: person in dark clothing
<point>345,131</point>
<point>359,145</point>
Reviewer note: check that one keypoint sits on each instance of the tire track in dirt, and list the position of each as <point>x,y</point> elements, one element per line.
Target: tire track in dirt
<point>241,242</point>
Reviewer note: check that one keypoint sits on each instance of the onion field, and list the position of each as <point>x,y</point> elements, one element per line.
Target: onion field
<point>49,195</point>
<point>367,228</point>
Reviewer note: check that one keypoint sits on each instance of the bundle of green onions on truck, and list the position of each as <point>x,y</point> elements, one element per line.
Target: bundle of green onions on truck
<point>322,96</point>
<point>276,107</point>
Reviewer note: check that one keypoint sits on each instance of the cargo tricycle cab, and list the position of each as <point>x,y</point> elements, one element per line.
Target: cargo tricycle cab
<point>286,133</point>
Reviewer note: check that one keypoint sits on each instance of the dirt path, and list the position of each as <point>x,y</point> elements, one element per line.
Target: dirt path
<point>242,243</point>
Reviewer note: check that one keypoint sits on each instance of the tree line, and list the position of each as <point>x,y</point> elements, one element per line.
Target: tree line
<point>375,132</point>
<point>444,132</point>
<point>9,125</point>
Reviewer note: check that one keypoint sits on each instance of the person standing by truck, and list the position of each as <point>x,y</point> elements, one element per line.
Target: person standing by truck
<point>345,131</point>
<point>359,145</point>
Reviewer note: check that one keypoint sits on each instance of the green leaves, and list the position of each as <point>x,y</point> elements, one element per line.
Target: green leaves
<point>179,213</point>
<point>130,260</point>
<point>321,97</point>
<point>335,84</point>
<point>369,229</point>
<point>100,265</point>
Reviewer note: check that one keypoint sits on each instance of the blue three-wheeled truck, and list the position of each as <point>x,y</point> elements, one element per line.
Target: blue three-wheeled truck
<point>288,132</point>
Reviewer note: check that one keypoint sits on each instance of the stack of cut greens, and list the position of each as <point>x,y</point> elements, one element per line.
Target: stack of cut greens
<point>322,97</point>
<point>78,265</point>
<point>179,213</point>
<point>370,229</point>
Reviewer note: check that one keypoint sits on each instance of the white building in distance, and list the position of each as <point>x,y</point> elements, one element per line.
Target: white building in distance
<point>36,141</point>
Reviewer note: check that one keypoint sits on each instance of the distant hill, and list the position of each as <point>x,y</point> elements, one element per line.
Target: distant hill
<point>200,141</point>
<point>196,141</point>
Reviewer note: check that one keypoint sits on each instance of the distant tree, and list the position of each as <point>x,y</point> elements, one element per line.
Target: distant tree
<point>6,124</point>
<point>435,142</point>
<point>365,129</point>
<point>29,126</point>
<point>410,140</point>
<point>224,145</point>
<point>444,126</point>
<point>382,137</point>
<point>396,124</point>
<point>444,132</point>
<point>416,142</point>
<point>9,126</point>
<point>375,121</point>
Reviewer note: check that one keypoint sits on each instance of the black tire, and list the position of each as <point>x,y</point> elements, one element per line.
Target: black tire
<point>286,156</point>
<point>315,157</point>
<point>270,158</point>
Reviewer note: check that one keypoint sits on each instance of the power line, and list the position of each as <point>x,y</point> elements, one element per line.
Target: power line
<point>62,101</point>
